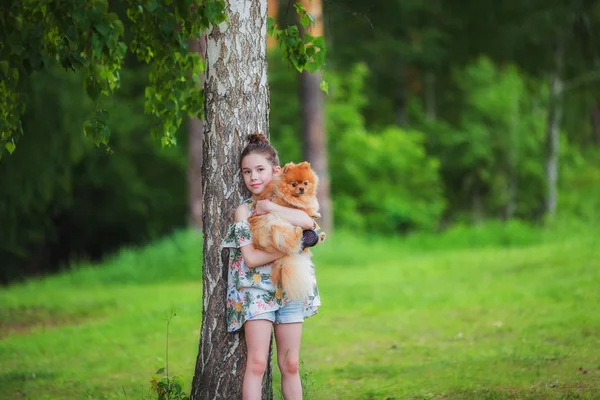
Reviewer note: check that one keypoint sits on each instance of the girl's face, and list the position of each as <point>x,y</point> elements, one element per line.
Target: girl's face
<point>257,172</point>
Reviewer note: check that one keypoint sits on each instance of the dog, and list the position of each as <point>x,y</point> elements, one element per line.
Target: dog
<point>296,187</point>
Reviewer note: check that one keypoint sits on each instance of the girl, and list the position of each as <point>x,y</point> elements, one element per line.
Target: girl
<point>252,300</point>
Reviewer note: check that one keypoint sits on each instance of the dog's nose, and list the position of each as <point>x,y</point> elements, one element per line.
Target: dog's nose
<point>301,190</point>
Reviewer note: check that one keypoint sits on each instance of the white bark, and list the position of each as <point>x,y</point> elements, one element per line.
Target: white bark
<point>236,104</point>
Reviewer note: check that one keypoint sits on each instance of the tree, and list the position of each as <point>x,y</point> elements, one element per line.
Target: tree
<point>553,131</point>
<point>85,36</point>
<point>237,104</point>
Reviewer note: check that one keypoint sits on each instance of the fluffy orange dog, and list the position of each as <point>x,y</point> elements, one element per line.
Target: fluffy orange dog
<point>295,186</point>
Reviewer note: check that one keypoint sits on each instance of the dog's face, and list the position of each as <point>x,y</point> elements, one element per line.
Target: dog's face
<point>298,180</point>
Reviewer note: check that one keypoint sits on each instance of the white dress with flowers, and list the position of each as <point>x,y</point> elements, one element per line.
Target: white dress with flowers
<point>250,291</point>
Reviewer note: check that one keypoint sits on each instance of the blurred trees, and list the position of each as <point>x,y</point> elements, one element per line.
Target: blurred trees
<point>62,198</point>
<point>414,51</point>
<point>438,112</point>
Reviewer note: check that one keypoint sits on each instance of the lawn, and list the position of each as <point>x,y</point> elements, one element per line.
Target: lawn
<point>495,313</point>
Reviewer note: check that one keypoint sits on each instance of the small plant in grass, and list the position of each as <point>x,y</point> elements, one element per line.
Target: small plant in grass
<point>309,387</point>
<point>168,387</point>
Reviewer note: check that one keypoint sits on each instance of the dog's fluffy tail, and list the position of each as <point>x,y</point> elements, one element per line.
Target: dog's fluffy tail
<point>296,275</point>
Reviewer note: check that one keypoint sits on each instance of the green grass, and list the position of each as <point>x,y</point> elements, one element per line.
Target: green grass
<point>499,312</point>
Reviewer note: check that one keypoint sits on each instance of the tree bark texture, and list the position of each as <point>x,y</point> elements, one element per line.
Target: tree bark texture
<point>195,133</point>
<point>553,132</point>
<point>313,124</point>
<point>236,104</point>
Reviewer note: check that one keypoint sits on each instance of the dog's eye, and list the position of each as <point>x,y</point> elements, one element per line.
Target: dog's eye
<point>294,184</point>
<point>306,183</point>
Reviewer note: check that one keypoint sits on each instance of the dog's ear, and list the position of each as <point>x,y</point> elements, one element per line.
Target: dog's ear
<point>287,167</point>
<point>304,164</point>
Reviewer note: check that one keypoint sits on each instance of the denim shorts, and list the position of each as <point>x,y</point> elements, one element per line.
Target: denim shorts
<point>292,311</point>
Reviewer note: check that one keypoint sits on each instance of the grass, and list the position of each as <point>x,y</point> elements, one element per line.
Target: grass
<point>499,312</point>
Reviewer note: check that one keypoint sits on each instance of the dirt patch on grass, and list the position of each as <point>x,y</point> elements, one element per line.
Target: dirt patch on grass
<point>22,320</point>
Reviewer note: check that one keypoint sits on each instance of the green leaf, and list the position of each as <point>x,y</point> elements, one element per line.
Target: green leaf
<point>153,5</point>
<point>92,88</point>
<point>324,86</point>
<point>103,28</point>
<point>4,67</point>
<point>10,146</point>
<point>305,20</point>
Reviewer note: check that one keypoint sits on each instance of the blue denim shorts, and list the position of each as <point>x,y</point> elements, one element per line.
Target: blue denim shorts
<point>291,312</point>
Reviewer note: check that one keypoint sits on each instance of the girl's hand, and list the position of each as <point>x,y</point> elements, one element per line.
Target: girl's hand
<point>263,207</point>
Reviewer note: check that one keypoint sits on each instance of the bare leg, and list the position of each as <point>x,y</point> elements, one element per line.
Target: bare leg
<point>288,337</point>
<point>258,338</point>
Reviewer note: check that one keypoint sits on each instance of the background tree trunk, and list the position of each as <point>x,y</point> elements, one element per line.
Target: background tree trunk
<point>553,132</point>
<point>273,12</point>
<point>596,124</point>
<point>195,133</point>
<point>313,123</point>
<point>236,104</point>
<point>430,107</point>
<point>513,159</point>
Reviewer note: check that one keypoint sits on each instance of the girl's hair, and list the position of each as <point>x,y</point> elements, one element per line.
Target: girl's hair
<point>259,144</point>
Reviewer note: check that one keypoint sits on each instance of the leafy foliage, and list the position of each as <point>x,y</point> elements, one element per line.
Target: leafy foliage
<point>161,33</point>
<point>383,180</point>
<point>80,35</point>
<point>493,157</point>
<point>62,199</point>
<point>86,36</point>
<point>302,50</point>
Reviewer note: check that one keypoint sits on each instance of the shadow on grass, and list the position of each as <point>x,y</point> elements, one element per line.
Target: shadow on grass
<point>551,391</point>
<point>16,382</point>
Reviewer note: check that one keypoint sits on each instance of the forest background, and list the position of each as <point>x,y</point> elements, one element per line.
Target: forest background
<point>463,154</point>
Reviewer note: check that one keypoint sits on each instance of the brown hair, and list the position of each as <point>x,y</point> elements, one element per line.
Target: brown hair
<point>259,144</point>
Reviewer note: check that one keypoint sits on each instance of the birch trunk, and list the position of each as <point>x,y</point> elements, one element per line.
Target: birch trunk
<point>194,173</point>
<point>553,133</point>
<point>236,104</point>
<point>313,124</point>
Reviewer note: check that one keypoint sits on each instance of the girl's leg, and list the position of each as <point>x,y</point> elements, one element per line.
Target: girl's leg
<point>288,337</point>
<point>258,338</point>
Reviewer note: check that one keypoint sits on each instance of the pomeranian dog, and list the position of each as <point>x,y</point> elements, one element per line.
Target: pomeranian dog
<point>296,187</point>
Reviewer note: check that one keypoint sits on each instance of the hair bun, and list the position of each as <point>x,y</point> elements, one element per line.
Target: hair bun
<point>258,138</point>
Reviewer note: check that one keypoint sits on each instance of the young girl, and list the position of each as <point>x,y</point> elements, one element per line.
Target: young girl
<point>253,302</point>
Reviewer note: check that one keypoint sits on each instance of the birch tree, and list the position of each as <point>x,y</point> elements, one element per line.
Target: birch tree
<point>236,104</point>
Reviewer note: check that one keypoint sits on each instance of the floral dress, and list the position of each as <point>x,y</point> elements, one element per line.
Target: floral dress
<point>250,291</point>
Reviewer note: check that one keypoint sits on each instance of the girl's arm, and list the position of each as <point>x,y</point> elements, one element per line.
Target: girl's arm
<point>292,215</point>
<point>252,256</point>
